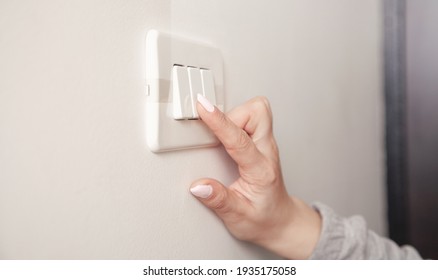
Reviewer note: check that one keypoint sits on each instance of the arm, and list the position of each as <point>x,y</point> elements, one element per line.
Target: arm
<point>349,238</point>
<point>257,208</point>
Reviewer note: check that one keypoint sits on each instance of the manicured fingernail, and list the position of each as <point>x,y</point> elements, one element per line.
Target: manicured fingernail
<point>205,103</point>
<point>202,191</point>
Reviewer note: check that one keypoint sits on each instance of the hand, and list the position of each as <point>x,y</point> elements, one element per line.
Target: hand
<point>256,207</point>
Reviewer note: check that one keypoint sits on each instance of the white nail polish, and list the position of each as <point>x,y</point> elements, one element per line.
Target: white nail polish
<point>202,191</point>
<point>205,103</point>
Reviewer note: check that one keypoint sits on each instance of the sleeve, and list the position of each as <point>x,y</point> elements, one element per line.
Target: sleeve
<point>349,238</point>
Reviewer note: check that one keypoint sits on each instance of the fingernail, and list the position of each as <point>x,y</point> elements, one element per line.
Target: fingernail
<point>205,103</point>
<point>202,191</point>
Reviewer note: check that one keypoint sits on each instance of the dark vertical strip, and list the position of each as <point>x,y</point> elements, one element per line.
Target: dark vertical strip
<point>395,108</point>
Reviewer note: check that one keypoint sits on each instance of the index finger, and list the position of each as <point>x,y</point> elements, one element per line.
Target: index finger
<point>235,140</point>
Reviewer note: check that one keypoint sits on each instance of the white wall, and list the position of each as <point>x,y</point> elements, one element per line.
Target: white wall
<point>76,177</point>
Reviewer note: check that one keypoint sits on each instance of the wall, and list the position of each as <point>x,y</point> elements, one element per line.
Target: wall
<point>77,179</point>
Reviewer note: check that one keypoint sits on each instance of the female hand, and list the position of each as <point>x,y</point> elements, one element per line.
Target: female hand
<point>256,207</point>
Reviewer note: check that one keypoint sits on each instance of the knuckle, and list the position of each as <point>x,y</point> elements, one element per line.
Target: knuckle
<point>221,121</point>
<point>263,99</point>
<point>243,140</point>
<point>219,203</point>
<point>271,176</point>
<point>260,106</point>
<point>240,142</point>
<point>261,103</point>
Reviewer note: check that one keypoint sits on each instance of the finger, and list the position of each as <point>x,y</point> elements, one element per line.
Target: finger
<point>255,117</point>
<point>215,196</point>
<point>235,140</point>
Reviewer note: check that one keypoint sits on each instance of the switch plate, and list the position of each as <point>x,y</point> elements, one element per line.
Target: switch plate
<point>167,128</point>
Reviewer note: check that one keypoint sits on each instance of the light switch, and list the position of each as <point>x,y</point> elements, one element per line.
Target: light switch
<point>171,117</point>
<point>182,101</point>
<point>208,86</point>
<point>195,88</point>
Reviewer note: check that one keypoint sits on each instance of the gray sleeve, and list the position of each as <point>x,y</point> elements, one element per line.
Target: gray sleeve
<point>349,238</point>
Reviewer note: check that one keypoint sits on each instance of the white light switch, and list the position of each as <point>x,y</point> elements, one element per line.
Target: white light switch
<point>195,87</point>
<point>174,79</point>
<point>182,101</point>
<point>208,86</point>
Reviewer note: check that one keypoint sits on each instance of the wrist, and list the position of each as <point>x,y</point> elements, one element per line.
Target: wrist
<point>298,233</point>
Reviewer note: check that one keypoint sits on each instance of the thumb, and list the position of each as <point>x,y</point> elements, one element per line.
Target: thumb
<point>214,195</point>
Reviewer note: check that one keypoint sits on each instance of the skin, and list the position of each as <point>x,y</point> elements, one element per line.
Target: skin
<point>256,207</point>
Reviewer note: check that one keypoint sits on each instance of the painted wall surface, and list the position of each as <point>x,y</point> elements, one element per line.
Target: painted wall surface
<point>76,177</point>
